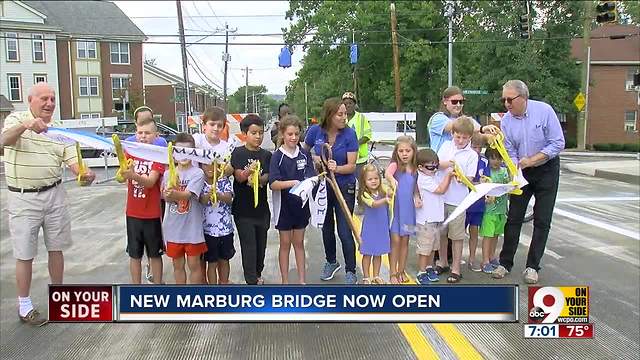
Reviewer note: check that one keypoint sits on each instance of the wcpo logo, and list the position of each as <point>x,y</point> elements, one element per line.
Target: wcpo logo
<point>567,304</point>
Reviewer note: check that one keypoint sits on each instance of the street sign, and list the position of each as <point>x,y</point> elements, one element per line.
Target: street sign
<point>579,101</point>
<point>475,92</point>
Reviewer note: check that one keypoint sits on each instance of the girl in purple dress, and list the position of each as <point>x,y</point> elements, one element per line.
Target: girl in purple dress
<point>403,219</point>
<point>375,223</point>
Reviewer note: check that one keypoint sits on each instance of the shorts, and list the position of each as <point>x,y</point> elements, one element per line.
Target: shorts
<point>473,218</point>
<point>455,229</point>
<point>178,250</point>
<point>30,211</point>
<point>493,225</point>
<point>218,248</point>
<point>427,238</point>
<point>144,234</point>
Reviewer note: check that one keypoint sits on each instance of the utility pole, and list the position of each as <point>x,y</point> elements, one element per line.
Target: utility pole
<point>246,90</point>
<point>255,109</point>
<point>185,71</point>
<point>306,108</point>
<point>396,55</point>
<point>586,38</point>
<point>226,58</point>
<point>449,14</point>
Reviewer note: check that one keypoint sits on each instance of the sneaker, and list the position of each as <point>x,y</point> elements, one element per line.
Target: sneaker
<point>530,275</point>
<point>329,271</point>
<point>495,262</point>
<point>33,318</point>
<point>432,276</point>
<point>474,267</point>
<point>488,268</point>
<point>147,273</point>
<point>350,278</point>
<point>499,272</point>
<point>421,278</point>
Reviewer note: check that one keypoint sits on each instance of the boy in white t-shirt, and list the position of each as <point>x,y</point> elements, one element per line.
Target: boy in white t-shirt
<point>432,184</point>
<point>213,121</point>
<point>456,152</point>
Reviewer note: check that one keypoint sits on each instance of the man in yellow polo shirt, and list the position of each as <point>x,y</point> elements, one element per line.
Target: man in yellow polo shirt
<point>359,123</point>
<point>36,198</point>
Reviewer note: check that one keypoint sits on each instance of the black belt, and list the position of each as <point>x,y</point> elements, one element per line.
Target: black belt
<point>36,190</point>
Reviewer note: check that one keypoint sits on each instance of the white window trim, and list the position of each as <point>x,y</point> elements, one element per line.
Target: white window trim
<point>119,53</point>
<point>89,116</point>
<point>119,76</point>
<point>33,48</point>
<point>89,86</point>
<point>635,120</point>
<point>19,76</point>
<point>7,38</point>
<point>86,49</point>
<point>40,75</point>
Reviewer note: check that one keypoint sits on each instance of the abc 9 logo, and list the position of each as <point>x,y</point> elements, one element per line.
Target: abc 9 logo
<point>548,302</point>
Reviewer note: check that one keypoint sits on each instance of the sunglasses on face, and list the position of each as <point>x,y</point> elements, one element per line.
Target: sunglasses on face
<point>456,102</point>
<point>430,167</point>
<point>508,99</point>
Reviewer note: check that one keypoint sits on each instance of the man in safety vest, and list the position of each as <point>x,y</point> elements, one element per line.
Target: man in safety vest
<point>359,123</point>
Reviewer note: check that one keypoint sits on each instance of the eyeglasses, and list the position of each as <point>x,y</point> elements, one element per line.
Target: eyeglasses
<point>508,99</point>
<point>430,167</point>
<point>456,102</point>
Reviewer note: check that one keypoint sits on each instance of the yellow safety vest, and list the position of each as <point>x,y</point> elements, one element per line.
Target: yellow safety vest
<point>360,124</point>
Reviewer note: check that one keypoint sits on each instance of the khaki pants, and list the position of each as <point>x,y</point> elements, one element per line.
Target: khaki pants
<point>28,212</point>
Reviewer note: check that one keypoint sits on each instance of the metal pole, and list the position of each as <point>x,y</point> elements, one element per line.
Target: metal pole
<point>255,109</point>
<point>306,108</point>
<point>246,90</point>
<point>185,70</point>
<point>449,14</point>
<point>586,36</point>
<point>226,59</point>
<point>396,55</point>
<point>106,157</point>
<point>586,95</point>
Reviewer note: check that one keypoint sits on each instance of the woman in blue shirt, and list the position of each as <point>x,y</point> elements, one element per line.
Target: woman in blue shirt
<point>333,130</point>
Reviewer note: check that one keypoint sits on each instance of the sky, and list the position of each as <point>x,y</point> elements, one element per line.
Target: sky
<point>204,17</point>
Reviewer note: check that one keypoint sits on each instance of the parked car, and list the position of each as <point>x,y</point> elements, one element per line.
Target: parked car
<point>124,129</point>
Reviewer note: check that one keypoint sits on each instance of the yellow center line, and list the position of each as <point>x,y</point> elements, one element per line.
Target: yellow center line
<point>456,341</point>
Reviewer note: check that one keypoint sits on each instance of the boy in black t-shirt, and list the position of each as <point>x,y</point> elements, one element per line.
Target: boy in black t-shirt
<point>252,221</point>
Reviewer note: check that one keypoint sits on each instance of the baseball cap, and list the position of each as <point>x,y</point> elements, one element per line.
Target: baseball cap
<point>349,95</point>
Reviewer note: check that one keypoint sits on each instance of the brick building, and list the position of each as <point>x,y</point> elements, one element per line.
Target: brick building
<point>614,102</point>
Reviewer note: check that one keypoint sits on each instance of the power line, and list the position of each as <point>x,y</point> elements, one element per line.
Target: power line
<point>198,69</point>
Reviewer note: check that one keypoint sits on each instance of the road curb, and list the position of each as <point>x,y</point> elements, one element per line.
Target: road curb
<point>600,154</point>
<point>603,174</point>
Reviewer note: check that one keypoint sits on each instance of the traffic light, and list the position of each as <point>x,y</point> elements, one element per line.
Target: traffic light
<point>525,32</point>
<point>606,12</point>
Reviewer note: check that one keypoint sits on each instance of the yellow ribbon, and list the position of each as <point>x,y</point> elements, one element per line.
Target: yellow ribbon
<point>172,182</point>
<point>124,163</point>
<point>498,144</point>
<point>82,167</point>
<point>393,201</point>
<point>462,177</point>
<point>254,181</point>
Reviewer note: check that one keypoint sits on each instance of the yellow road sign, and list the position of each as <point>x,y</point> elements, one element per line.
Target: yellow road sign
<point>579,101</point>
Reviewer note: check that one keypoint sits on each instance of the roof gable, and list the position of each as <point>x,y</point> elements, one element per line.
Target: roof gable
<point>20,12</point>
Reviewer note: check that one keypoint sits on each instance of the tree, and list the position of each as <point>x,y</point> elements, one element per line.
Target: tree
<point>264,103</point>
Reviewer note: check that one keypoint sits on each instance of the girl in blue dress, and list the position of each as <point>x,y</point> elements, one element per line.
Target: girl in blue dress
<point>403,218</point>
<point>375,223</point>
<point>289,165</point>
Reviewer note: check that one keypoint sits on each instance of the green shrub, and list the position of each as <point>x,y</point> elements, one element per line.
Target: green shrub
<point>632,147</point>
<point>616,147</point>
<point>601,147</point>
<point>570,143</point>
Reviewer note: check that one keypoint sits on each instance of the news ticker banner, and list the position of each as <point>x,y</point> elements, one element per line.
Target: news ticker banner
<point>558,312</point>
<point>270,303</point>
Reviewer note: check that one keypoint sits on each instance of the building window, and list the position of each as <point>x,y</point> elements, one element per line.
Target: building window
<point>15,87</point>
<point>38,47</point>
<point>118,86</point>
<point>88,85</point>
<point>90,116</point>
<point>86,49</point>
<point>39,78</point>
<point>630,119</point>
<point>11,40</point>
<point>119,53</point>
<point>628,84</point>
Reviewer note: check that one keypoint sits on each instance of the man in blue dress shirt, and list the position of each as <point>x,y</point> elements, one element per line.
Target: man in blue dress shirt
<point>533,139</point>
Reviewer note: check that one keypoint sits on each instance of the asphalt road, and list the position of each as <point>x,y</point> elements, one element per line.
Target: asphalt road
<point>594,241</point>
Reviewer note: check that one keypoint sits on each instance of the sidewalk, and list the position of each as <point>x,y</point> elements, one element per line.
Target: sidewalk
<point>620,170</point>
<point>585,153</point>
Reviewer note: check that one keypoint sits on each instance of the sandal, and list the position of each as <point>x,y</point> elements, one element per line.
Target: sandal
<point>441,269</point>
<point>405,277</point>
<point>34,318</point>
<point>378,280</point>
<point>366,281</point>
<point>454,278</point>
<point>393,279</point>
